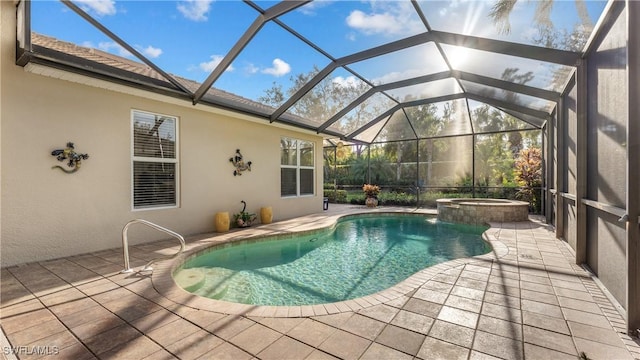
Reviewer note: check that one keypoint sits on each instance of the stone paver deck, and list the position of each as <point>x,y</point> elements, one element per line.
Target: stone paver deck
<point>525,300</point>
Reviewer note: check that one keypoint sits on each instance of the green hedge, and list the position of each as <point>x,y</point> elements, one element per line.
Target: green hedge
<point>427,199</point>
<point>336,196</point>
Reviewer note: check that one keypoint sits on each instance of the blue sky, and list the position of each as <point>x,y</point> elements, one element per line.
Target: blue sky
<point>188,38</point>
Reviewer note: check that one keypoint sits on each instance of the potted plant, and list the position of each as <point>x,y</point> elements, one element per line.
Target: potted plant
<point>371,192</point>
<point>244,218</point>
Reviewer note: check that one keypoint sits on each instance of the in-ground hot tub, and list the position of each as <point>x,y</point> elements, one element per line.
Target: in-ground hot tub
<point>482,211</point>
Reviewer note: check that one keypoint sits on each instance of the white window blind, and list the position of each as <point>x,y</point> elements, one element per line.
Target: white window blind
<point>297,167</point>
<point>154,160</point>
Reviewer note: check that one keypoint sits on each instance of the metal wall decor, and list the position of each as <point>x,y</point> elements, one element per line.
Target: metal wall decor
<point>239,163</point>
<point>74,159</point>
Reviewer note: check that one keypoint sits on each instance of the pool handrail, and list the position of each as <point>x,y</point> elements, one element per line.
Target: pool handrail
<point>125,244</point>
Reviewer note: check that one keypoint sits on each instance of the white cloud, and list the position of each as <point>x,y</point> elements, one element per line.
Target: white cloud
<point>195,10</point>
<point>117,49</point>
<point>279,68</point>
<point>99,7</point>
<point>348,82</point>
<point>373,23</point>
<point>151,52</point>
<point>251,69</point>
<point>114,48</point>
<point>399,75</point>
<point>310,9</point>
<point>386,18</point>
<point>449,7</point>
<point>209,66</point>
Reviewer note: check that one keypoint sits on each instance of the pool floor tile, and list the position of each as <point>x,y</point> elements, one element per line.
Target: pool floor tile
<point>527,299</point>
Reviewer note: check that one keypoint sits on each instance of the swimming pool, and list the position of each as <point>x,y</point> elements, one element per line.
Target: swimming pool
<point>359,256</point>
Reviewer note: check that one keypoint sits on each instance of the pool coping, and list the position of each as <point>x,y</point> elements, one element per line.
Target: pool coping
<point>163,282</point>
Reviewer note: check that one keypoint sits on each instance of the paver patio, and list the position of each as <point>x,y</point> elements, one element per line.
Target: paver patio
<point>527,299</point>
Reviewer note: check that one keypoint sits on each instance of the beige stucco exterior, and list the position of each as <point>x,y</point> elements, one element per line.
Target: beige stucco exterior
<point>49,214</point>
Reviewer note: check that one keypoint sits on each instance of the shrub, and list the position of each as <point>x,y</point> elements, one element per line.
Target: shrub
<point>336,196</point>
<point>529,175</point>
<point>399,199</point>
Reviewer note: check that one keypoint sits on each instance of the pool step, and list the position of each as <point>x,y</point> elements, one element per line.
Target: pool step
<point>190,279</point>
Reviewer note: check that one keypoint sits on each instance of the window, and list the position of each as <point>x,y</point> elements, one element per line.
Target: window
<point>296,167</point>
<point>154,160</point>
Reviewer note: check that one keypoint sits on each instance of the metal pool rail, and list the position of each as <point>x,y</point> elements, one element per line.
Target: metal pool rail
<point>125,244</point>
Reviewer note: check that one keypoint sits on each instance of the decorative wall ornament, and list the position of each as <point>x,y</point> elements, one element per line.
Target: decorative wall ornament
<point>239,163</point>
<point>69,153</point>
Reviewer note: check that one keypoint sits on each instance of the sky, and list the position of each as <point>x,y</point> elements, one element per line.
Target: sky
<point>189,37</point>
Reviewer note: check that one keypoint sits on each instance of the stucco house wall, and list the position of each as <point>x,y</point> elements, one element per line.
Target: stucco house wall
<point>48,214</point>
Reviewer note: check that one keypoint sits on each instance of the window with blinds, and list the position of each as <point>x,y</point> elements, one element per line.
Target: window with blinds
<point>154,160</point>
<point>297,167</point>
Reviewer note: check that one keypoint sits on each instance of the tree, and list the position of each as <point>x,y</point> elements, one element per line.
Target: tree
<point>502,9</point>
<point>548,35</point>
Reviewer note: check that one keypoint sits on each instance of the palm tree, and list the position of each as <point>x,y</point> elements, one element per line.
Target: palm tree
<point>502,9</point>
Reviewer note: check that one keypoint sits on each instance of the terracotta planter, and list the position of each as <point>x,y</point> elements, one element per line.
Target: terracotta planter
<point>371,202</point>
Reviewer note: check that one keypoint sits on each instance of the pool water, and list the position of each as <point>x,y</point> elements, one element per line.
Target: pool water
<point>358,257</point>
